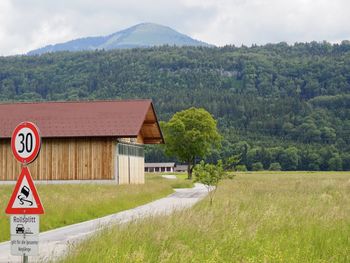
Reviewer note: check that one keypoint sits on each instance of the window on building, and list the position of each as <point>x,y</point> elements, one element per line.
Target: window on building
<point>131,150</point>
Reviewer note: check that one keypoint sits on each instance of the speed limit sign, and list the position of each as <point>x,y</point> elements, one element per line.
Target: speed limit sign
<point>26,142</point>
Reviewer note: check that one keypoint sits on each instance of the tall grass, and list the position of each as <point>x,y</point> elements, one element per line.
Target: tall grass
<point>68,204</point>
<point>257,217</point>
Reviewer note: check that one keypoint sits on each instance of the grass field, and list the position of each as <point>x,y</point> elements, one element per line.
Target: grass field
<point>68,204</point>
<point>256,217</point>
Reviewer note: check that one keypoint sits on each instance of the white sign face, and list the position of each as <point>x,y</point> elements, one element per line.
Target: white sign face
<point>24,245</point>
<point>24,235</point>
<point>24,196</point>
<point>25,142</point>
<point>24,224</point>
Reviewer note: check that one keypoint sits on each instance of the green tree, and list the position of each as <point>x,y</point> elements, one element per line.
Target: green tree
<point>253,156</point>
<point>311,161</point>
<point>210,175</point>
<point>190,134</point>
<point>231,162</point>
<point>328,135</point>
<point>335,163</point>
<point>241,148</point>
<point>289,159</point>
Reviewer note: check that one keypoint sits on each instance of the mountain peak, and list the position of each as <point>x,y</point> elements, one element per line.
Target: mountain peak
<point>138,36</point>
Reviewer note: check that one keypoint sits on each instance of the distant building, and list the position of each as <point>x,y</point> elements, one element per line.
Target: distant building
<point>159,167</point>
<point>181,168</point>
<point>164,167</point>
<point>91,140</point>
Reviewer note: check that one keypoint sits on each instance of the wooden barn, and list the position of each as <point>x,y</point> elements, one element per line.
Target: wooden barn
<point>91,140</point>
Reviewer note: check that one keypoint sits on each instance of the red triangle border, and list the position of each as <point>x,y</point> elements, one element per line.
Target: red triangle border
<point>25,211</point>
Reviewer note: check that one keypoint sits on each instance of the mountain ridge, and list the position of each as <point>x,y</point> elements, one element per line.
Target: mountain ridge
<point>142,35</point>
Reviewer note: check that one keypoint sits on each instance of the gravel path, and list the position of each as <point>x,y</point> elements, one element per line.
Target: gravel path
<point>54,243</point>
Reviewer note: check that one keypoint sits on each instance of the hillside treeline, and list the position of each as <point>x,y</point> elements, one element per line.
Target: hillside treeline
<point>274,103</point>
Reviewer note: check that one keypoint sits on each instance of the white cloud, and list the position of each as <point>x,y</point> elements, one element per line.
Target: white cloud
<point>30,24</point>
<point>263,21</point>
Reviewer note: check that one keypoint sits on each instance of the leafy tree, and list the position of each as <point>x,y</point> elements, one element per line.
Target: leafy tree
<point>254,155</point>
<point>311,160</point>
<point>328,135</point>
<point>289,159</point>
<point>309,132</point>
<point>335,163</point>
<point>189,134</point>
<point>231,162</point>
<point>241,148</point>
<point>210,175</point>
<point>326,153</point>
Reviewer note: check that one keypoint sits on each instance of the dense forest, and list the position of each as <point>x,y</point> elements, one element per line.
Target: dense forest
<point>278,105</point>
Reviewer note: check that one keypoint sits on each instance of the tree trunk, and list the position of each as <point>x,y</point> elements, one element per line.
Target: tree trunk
<point>189,171</point>
<point>190,167</point>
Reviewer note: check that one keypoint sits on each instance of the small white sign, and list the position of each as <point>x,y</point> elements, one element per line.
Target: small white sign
<point>24,245</point>
<point>24,235</point>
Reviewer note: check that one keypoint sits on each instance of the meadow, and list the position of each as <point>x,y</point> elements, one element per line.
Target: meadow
<point>67,204</point>
<point>256,217</point>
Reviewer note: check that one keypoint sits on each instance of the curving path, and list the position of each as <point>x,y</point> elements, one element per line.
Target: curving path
<point>54,243</point>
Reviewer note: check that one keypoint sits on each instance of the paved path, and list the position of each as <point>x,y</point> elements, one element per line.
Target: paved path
<point>54,243</point>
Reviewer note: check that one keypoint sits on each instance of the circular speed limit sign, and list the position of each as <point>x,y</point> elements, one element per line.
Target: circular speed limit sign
<point>26,142</point>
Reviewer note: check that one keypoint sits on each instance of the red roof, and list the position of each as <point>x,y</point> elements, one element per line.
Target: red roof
<point>79,119</point>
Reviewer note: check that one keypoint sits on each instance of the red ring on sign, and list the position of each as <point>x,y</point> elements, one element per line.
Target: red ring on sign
<point>36,151</point>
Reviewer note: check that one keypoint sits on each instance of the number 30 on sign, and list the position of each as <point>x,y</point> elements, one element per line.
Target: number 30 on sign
<point>26,142</point>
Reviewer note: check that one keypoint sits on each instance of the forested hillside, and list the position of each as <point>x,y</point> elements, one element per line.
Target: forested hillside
<point>274,103</point>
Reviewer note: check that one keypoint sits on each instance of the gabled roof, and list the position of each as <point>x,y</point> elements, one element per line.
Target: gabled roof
<point>123,118</point>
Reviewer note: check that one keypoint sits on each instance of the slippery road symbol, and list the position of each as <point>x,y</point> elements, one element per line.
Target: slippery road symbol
<point>24,198</point>
<point>24,195</point>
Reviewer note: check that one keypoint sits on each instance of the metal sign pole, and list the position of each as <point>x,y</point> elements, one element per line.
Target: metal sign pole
<point>25,258</point>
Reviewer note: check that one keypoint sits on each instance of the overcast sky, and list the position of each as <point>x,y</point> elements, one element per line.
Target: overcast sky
<point>30,24</point>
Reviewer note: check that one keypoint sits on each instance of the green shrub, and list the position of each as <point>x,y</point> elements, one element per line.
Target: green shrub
<point>275,167</point>
<point>257,166</point>
<point>241,168</point>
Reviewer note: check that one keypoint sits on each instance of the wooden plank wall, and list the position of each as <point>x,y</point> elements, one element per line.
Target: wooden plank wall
<point>64,159</point>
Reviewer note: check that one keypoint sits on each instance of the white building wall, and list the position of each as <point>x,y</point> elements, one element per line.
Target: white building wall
<point>130,163</point>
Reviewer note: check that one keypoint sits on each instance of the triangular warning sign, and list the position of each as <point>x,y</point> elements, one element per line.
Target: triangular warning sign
<point>25,198</point>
